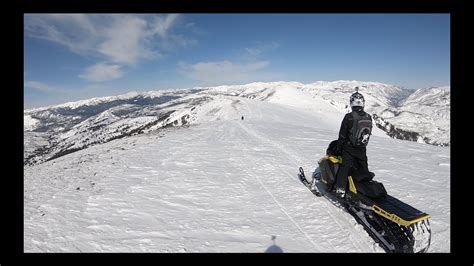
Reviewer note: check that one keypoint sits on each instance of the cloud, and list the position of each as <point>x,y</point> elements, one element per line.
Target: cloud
<point>213,73</point>
<point>248,67</point>
<point>127,41</point>
<point>118,38</point>
<point>162,25</point>
<point>37,85</point>
<point>261,47</point>
<point>75,31</point>
<point>102,72</point>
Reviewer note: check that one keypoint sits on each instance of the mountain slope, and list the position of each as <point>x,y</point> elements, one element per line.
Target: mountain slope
<point>421,116</point>
<point>51,132</point>
<point>74,126</point>
<point>427,111</point>
<point>221,185</point>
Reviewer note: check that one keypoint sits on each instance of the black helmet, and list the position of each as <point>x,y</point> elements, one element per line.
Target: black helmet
<point>357,99</point>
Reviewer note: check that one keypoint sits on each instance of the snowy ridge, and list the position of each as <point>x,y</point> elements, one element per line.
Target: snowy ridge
<point>100,100</point>
<point>427,112</point>
<point>422,116</point>
<point>388,95</point>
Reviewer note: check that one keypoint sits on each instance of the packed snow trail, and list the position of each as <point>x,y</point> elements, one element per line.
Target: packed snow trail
<point>296,160</point>
<point>220,186</point>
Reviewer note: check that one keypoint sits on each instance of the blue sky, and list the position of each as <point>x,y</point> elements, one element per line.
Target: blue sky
<point>69,57</point>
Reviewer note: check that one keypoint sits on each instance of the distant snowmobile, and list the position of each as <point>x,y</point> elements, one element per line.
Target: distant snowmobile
<point>394,225</point>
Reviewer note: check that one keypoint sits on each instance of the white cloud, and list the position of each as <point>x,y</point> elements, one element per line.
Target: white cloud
<point>37,85</point>
<point>118,38</point>
<point>213,73</point>
<point>102,72</point>
<point>162,25</point>
<point>75,31</point>
<point>126,41</point>
<point>260,48</point>
<point>247,68</point>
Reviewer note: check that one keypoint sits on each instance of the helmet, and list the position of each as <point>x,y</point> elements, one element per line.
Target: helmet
<point>357,99</point>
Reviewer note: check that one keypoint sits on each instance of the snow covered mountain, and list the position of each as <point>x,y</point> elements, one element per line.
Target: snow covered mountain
<point>216,183</point>
<point>54,131</point>
<point>422,115</point>
<point>427,112</point>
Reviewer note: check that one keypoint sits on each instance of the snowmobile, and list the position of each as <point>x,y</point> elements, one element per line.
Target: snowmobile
<point>396,226</point>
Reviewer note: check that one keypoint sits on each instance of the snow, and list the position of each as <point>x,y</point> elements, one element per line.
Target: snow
<point>223,185</point>
<point>431,109</point>
<point>98,100</point>
<point>425,111</point>
<point>29,123</point>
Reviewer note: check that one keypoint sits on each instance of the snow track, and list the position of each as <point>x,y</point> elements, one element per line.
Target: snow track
<point>294,159</point>
<point>226,185</point>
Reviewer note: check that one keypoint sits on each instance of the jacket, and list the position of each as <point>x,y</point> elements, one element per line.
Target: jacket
<point>344,143</point>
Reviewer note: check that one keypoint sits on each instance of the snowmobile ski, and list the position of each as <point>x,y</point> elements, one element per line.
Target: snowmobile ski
<point>310,186</point>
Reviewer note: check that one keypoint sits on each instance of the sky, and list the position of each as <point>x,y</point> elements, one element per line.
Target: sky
<point>69,57</point>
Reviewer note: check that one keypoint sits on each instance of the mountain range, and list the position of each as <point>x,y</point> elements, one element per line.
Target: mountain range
<point>50,132</point>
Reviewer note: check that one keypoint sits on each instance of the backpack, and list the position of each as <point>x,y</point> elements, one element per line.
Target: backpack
<point>361,130</point>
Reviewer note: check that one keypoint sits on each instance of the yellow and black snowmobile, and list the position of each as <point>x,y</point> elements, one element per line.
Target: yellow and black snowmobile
<point>393,224</point>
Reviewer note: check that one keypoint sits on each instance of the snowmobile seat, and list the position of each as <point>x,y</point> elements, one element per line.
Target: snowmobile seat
<point>329,166</point>
<point>373,194</point>
<point>372,188</point>
<point>367,186</point>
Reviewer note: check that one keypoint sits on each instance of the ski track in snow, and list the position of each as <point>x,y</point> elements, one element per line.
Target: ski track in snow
<point>297,161</point>
<point>221,186</point>
<point>254,135</point>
